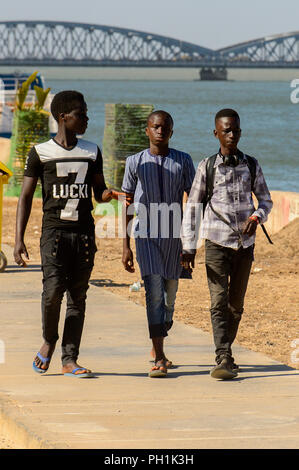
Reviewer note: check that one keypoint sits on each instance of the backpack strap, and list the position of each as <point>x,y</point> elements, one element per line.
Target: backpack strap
<point>210,175</point>
<point>251,163</point>
<point>252,168</point>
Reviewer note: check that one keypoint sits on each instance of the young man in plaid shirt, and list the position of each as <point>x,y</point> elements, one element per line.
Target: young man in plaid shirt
<point>228,227</point>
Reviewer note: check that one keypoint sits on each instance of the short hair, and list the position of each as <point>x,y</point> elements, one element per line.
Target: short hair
<point>227,112</point>
<point>160,112</point>
<point>65,102</point>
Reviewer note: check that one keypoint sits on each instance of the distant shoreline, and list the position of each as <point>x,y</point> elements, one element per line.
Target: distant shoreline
<point>151,73</point>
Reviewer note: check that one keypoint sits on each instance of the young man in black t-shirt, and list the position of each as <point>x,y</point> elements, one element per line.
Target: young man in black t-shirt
<point>69,170</point>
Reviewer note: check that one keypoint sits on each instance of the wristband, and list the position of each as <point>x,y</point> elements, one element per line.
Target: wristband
<point>254,218</point>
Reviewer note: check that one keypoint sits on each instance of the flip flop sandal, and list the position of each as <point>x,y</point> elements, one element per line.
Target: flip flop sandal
<point>168,363</point>
<point>158,371</point>
<point>44,361</point>
<point>84,375</point>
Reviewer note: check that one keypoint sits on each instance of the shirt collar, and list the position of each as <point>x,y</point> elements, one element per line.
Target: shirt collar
<point>161,156</point>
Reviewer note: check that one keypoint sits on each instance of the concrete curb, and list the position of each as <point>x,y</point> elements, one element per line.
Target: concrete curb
<point>16,429</point>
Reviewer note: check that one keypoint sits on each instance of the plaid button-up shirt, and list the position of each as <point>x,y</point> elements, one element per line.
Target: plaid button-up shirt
<point>232,199</point>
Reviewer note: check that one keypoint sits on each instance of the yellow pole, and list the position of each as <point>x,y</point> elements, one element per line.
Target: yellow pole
<point>5,174</point>
<point>1,207</point>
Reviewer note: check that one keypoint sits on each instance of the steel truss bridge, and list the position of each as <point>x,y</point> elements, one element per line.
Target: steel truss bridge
<point>57,43</point>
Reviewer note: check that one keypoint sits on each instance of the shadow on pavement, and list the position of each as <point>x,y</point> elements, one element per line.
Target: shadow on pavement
<point>175,373</point>
<point>17,269</point>
<point>106,283</point>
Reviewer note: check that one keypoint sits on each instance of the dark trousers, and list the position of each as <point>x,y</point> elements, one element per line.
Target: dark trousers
<point>228,272</point>
<point>67,261</point>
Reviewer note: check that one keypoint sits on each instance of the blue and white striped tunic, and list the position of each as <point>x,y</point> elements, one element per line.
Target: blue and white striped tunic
<point>158,184</point>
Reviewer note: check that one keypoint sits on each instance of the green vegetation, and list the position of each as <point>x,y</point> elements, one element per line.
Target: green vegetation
<point>23,91</point>
<point>124,135</point>
<point>30,127</point>
<point>41,96</point>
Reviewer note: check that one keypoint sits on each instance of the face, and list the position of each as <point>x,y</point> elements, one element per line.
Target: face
<point>77,119</point>
<point>159,129</point>
<point>228,132</point>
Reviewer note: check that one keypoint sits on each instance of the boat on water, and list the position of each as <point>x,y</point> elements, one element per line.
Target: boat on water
<point>9,85</point>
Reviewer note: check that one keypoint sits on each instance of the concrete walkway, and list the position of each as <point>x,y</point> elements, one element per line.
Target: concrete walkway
<point>121,408</point>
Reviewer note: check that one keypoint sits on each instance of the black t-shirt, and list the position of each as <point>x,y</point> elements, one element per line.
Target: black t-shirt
<point>66,178</point>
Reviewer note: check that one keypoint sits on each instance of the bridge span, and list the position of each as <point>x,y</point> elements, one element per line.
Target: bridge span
<point>59,43</point>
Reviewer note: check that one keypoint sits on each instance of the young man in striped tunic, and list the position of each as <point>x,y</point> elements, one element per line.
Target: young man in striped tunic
<point>156,179</point>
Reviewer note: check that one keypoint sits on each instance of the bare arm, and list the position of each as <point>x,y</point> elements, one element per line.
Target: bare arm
<point>127,258</point>
<point>23,213</point>
<point>101,193</point>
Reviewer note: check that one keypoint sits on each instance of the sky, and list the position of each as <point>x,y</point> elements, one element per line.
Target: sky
<point>209,23</point>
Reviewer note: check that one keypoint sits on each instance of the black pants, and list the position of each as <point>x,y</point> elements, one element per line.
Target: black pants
<point>67,261</point>
<point>228,272</point>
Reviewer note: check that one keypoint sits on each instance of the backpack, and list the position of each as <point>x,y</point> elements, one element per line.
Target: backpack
<point>210,175</point>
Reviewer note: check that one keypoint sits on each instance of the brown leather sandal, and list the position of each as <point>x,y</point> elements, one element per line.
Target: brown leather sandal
<point>158,371</point>
<point>168,363</point>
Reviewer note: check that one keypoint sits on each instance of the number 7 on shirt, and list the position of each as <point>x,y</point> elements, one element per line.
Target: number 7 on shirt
<point>72,191</point>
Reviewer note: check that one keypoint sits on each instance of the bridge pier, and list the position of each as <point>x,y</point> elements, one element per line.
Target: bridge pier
<point>213,73</point>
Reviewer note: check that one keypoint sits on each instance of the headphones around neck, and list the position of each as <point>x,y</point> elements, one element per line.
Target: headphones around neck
<point>230,160</point>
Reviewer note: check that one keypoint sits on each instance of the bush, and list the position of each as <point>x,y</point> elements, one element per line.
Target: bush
<point>30,127</point>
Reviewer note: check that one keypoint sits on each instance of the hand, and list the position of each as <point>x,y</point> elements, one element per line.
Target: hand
<point>250,227</point>
<point>109,194</point>
<point>127,198</point>
<point>187,261</point>
<point>128,260</point>
<point>117,195</point>
<point>19,250</point>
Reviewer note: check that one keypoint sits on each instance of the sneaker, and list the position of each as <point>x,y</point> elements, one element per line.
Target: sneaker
<point>233,364</point>
<point>224,370</point>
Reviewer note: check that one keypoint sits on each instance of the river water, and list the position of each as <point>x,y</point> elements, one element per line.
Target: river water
<point>269,119</point>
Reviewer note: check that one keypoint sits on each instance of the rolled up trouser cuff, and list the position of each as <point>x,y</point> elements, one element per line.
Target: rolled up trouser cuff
<point>157,330</point>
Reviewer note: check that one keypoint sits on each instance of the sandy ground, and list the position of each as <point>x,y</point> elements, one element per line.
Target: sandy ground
<point>270,323</point>
<point>6,443</point>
